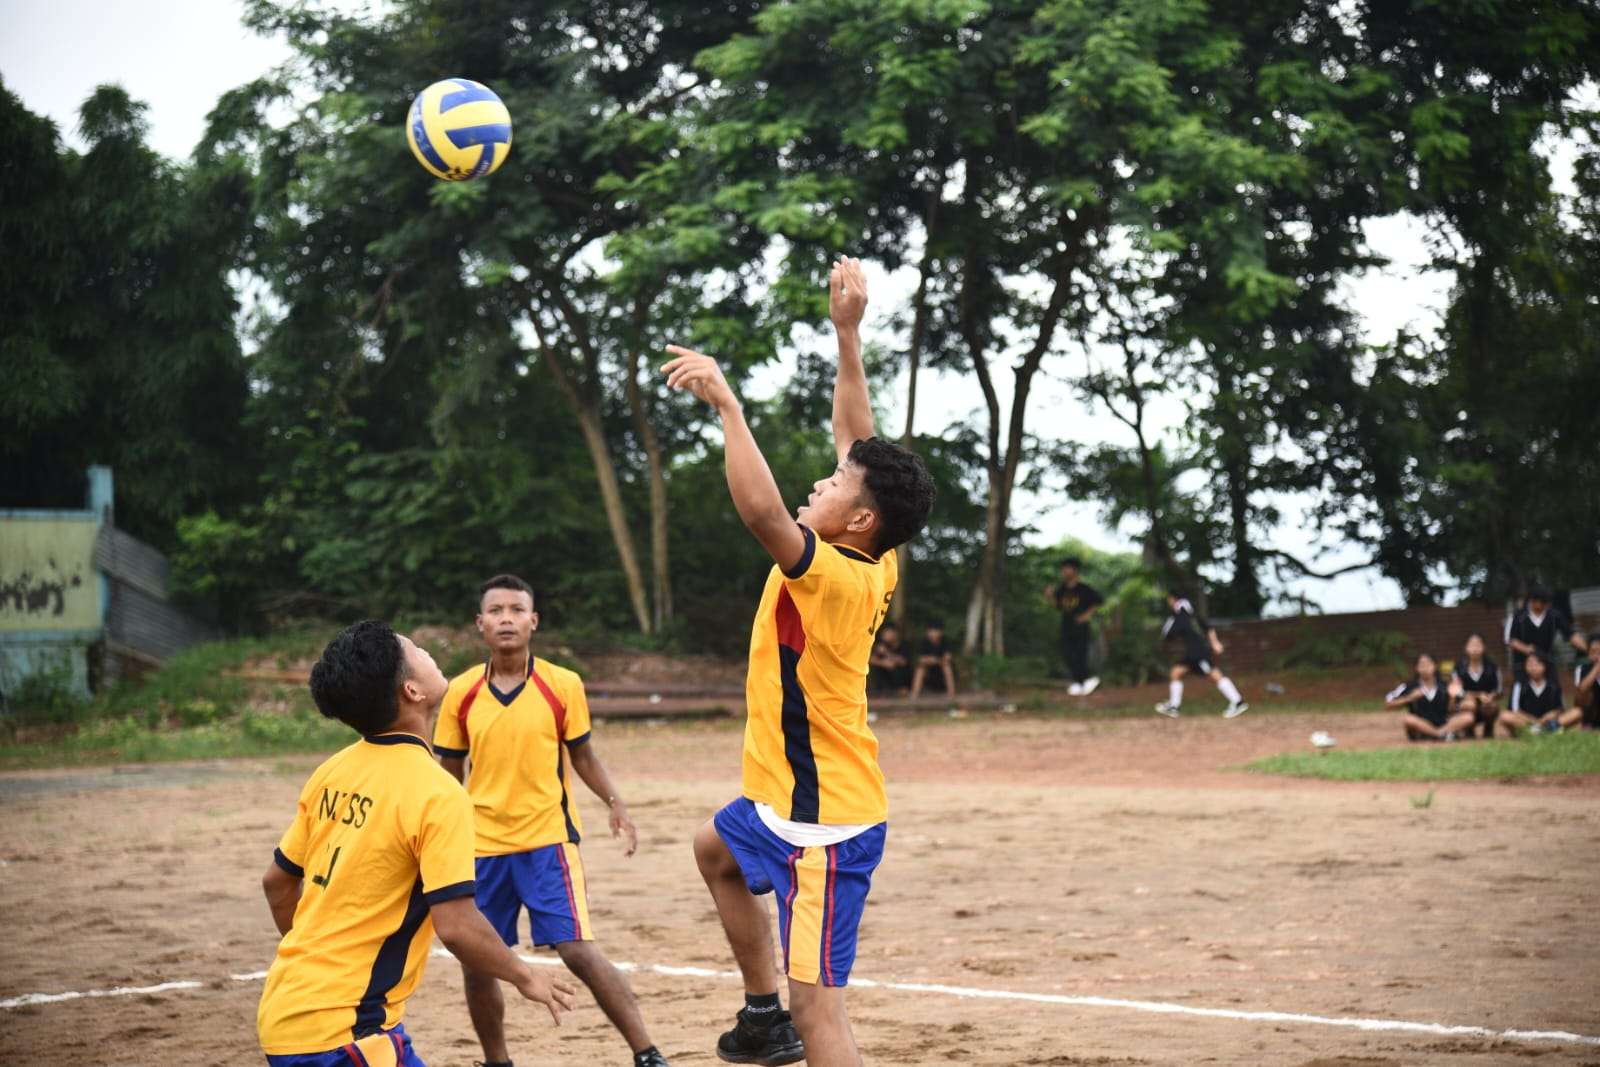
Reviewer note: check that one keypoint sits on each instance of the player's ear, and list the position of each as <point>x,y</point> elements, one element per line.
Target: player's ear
<point>535,616</point>
<point>862,520</point>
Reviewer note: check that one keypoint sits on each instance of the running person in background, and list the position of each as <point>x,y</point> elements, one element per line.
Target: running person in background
<point>811,820</point>
<point>1475,685</point>
<point>1076,600</point>
<point>1534,629</point>
<point>1585,710</point>
<point>387,839</point>
<point>516,716</point>
<point>934,656</point>
<point>1200,646</point>
<point>1427,706</point>
<point>1535,700</point>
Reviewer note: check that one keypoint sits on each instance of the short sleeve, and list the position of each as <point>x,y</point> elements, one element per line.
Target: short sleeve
<point>449,739</point>
<point>445,844</point>
<point>577,702</point>
<point>291,851</point>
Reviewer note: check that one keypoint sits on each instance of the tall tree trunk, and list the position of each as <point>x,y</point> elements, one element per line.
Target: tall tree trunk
<point>586,407</point>
<point>919,333</point>
<point>1245,588</point>
<point>639,408</point>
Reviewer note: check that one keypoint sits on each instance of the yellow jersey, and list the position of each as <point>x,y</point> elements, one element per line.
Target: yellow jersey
<point>518,776</point>
<point>808,751</point>
<point>381,833</point>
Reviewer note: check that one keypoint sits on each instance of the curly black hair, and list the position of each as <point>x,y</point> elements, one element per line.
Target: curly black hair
<point>358,678</point>
<point>898,486</point>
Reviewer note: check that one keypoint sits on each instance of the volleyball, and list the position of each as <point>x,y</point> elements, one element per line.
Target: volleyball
<point>458,129</point>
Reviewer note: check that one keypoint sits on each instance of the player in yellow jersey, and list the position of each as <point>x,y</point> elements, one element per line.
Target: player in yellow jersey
<point>809,826</point>
<point>516,716</point>
<point>386,838</point>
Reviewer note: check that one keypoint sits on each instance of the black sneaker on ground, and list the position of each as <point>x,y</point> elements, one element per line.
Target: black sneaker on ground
<point>653,1058</point>
<point>770,1046</point>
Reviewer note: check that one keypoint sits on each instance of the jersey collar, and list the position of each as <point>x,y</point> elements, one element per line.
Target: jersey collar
<point>397,739</point>
<point>850,553</point>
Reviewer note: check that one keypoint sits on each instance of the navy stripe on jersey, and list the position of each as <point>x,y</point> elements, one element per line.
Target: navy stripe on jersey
<point>287,864</point>
<point>395,739</point>
<point>389,966</point>
<point>803,564</point>
<point>451,892</point>
<point>805,799</point>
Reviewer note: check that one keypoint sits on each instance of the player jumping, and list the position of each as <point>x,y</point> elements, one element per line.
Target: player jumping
<point>516,715</point>
<point>811,820</point>
<point>1200,644</point>
<point>386,837</point>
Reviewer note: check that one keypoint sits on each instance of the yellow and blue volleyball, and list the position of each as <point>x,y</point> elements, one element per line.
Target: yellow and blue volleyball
<point>458,129</point>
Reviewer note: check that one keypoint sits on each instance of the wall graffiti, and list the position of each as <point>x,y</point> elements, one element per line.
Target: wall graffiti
<point>47,576</point>
<point>37,594</point>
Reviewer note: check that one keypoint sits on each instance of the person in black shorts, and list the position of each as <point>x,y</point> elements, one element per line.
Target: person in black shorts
<point>1426,701</point>
<point>1585,710</point>
<point>1076,601</point>
<point>933,654</point>
<point>1475,686</point>
<point>1200,648</point>
<point>1535,700</point>
<point>888,669</point>
<point>1534,628</point>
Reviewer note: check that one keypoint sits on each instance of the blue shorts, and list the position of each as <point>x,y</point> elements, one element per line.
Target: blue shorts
<point>395,1052</point>
<point>821,891</point>
<point>548,882</point>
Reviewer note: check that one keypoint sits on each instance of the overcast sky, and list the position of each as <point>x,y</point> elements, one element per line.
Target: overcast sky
<point>179,56</point>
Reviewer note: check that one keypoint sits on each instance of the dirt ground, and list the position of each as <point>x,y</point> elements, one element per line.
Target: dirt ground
<point>1118,859</point>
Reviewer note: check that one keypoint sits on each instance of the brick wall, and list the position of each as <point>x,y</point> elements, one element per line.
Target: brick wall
<point>1257,644</point>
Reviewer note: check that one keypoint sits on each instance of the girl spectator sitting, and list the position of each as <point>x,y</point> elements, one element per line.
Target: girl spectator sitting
<point>1427,706</point>
<point>1535,700</point>
<point>1585,710</point>
<point>1475,686</point>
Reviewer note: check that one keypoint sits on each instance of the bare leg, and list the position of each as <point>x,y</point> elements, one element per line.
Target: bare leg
<point>610,988</point>
<point>916,680</point>
<point>949,679</point>
<point>1417,724</point>
<point>487,1007</point>
<point>744,919</point>
<point>819,1015</point>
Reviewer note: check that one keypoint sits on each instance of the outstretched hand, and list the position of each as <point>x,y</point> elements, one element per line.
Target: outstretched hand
<point>847,293</point>
<point>556,994</point>
<point>700,375</point>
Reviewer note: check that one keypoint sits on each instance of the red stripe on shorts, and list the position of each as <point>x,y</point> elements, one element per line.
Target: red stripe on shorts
<point>572,901</point>
<point>788,905</point>
<point>827,916</point>
<point>355,1056</point>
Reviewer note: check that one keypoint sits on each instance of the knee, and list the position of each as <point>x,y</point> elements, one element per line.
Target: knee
<point>815,1008</point>
<point>580,957</point>
<point>710,854</point>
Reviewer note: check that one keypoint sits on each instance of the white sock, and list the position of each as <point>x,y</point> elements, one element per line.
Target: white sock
<point>1229,690</point>
<point>1174,693</point>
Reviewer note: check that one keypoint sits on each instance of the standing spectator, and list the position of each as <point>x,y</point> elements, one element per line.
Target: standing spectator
<point>1534,629</point>
<point>933,654</point>
<point>1076,601</point>
<point>888,669</point>
<point>1535,700</point>
<point>1427,705</point>
<point>1585,708</point>
<point>1475,686</point>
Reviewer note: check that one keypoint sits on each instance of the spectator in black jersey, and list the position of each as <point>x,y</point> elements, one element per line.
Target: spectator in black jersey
<point>1585,710</point>
<point>1426,702</point>
<point>1200,649</point>
<point>933,654</point>
<point>1076,600</point>
<point>889,668</point>
<point>1535,700</point>
<point>1475,686</point>
<point>1534,628</point>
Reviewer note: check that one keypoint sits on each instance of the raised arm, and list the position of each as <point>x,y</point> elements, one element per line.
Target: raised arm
<point>847,304</point>
<point>750,482</point>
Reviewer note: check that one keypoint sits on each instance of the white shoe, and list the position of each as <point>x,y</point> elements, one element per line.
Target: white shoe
<point>1090,686</point>
<point>1075,689</point>
<point>1168,709</point>
<point>1236,710</point>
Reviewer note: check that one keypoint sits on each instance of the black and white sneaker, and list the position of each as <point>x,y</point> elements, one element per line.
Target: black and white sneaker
<point>1167,708</point>
<point>770,1046</point>
<point>1236,709</point>
<point>650,1058</point>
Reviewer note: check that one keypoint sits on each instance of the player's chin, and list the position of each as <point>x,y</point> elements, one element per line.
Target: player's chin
<point>802,513</point>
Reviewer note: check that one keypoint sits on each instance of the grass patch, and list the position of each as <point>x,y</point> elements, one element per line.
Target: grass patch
<point>1567,753</point>
<point>251,733</point>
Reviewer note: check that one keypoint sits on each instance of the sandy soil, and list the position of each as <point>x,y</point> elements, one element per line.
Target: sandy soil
<point>1113,859</point>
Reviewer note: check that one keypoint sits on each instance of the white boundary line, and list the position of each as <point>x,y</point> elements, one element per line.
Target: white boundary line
<point>1153,1007</point>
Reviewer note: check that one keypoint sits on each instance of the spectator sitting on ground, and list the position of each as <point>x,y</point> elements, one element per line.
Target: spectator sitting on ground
<point>1475,686</point>
<point>1535,701</point>
<point>888,669</point>
<point>1534,629</point>
<point>933,654</point>
<point>1427,706</point>
<point>1585,710</point>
